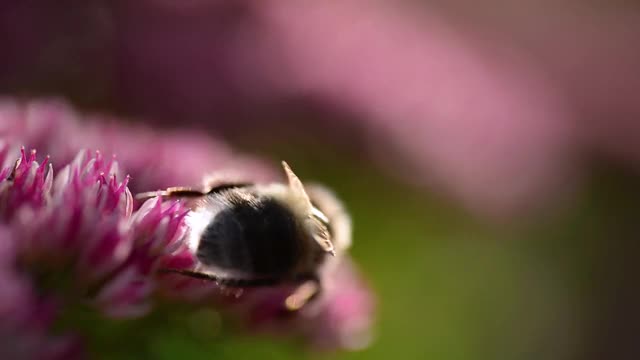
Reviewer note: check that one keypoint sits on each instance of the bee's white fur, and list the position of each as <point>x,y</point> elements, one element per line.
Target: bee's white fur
<point>197,221</point>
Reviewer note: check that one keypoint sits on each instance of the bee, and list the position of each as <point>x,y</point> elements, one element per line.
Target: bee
<point>252,235</point>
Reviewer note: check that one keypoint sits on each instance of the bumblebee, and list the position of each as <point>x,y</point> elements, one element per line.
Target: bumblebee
<point>251,235</point>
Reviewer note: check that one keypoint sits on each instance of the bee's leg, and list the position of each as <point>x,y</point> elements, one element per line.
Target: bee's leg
<point>224,282</point>
<point>303,294</point>
<point>248,283</point>
<point>190,273</point>
<point>182,192</point>
<point>188,192</point>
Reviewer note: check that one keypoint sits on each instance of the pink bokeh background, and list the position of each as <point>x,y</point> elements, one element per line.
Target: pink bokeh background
<point>498,104</point>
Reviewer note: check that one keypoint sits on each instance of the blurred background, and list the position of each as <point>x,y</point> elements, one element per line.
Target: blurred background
<point>489,151</point>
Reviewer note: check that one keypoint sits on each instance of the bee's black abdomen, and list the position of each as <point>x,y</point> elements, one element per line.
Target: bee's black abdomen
<point>258,237</point>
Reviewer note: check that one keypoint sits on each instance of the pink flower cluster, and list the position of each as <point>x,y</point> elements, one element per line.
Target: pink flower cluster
<point>77,238</point>
<point>154,158</point>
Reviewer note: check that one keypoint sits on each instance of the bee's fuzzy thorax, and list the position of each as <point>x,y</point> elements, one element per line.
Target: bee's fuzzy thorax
<point>257,234</point>
<point>252,231</point>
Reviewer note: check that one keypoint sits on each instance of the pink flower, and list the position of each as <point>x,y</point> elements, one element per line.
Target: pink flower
<point>78,238</point>
<point>25,319</point>
<point>82,222</point>
<point>30,183</point>
<point>155,159</point>
<point>160,225</point>
<point>341,318</point>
